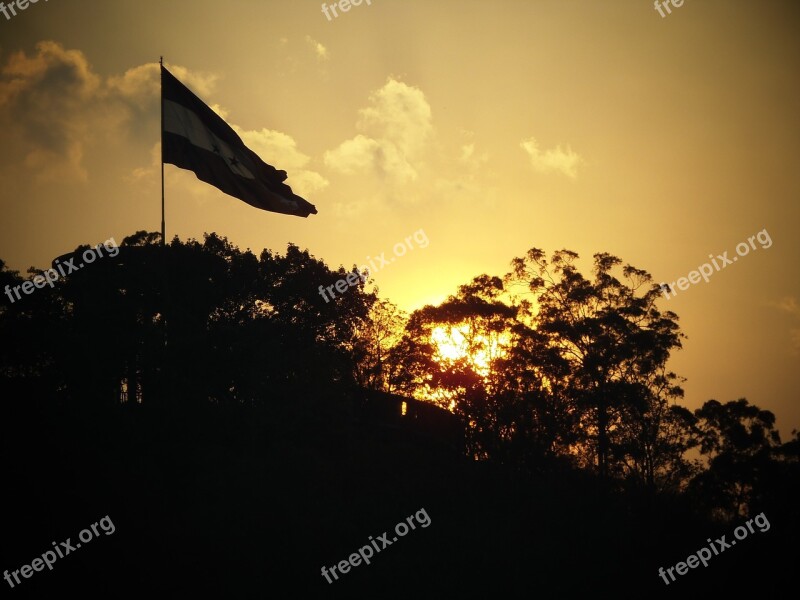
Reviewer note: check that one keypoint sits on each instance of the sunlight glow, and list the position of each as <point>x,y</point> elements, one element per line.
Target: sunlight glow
<point>451,344</point>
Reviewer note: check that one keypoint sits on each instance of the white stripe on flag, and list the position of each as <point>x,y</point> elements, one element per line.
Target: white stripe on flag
<point>183,122</point>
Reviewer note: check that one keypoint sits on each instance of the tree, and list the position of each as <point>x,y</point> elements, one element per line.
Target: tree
<point>378,334</point>
<point>739,442</point>
<point>476,325</point>
<point>611,345</point>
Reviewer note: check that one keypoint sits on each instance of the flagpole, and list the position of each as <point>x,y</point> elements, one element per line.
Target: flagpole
<point>166,387</point>
<point>163,227</point>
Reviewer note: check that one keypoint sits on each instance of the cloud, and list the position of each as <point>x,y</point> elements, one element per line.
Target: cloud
<point>795,337</point>
<point>142,174</point>
<point>362,154</point>
<point>300,55</point>
<point>60,167</point>
<point>470,158</point>
<point>790,306</point>
<point>394,129</point>
<point>141,85</point>
<point>45,99</point>
<point>56,108</point>
<point>398,146</point>
<point>320,51</point>
<point>399,113</point>
<point>558,160</point>
<point>280,150</point>
<point>467,179</point>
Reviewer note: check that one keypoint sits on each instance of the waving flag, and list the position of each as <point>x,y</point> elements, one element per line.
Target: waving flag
<point>196,138</point>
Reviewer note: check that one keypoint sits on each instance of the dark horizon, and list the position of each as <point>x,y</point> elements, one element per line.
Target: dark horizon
<point>201,400</point>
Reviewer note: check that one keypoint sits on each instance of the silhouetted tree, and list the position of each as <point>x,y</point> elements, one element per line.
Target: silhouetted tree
<point>482,326</point>
<point>375,338</point>
<point>612,339</point>
<point>739,441</point>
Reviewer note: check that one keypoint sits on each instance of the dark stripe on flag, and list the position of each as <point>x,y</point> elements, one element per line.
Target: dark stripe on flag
<point>199,140</point>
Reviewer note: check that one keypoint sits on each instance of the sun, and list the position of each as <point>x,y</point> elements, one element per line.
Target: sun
<point>452,344</point>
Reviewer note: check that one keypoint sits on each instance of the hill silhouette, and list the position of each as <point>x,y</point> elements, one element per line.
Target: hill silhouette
<point>242,434</point>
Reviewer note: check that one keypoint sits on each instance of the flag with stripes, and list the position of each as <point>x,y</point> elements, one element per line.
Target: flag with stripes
<point>196,138</point>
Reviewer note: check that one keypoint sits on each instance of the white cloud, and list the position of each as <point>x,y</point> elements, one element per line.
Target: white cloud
<point>394,130</point>
<point>280,150</point>
<point>362,154</point>
<point>470,158</point>
<point>398,113</point>
<point>555,159</point>
<point>320,51</point>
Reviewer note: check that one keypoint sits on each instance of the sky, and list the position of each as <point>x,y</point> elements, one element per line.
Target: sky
<point>476,129</point>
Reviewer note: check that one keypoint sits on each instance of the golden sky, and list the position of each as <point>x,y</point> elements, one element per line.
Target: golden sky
<point>491,126</point>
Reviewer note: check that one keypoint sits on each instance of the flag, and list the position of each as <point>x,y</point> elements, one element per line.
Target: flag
<point>196,138</point>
